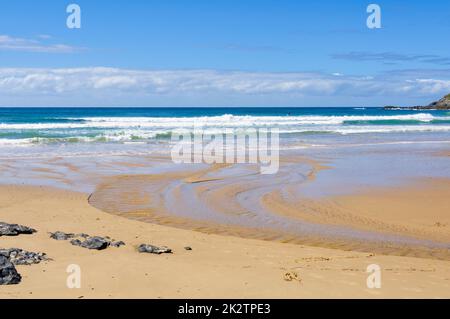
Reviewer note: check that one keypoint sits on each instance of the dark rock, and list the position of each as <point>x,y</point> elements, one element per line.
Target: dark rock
<point>22,257</point>
<point>14,229</point>
<point>187,248</point>
<point>117,243</point>
<point>59,235</point>
<point>154,249</point>
<point>86,241</point>
<point>76,242</point>
<point>8,273</point>
<point>97,243</point>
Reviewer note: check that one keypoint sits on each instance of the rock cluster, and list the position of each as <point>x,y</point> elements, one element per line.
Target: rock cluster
<point>14,229</point>
<point>87,241</point>
<point>144,248</point>
<point>8,273</point>
<point>22,257</point>
<point>15,256</point>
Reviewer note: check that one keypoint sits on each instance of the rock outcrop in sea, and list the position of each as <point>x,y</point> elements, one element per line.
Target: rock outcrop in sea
<point>442,104</point>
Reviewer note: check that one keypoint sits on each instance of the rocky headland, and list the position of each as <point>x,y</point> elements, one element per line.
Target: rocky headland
<point>442,104</point>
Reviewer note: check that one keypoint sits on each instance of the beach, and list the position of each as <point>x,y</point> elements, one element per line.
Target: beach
<point>339,204</point>
<point>217,267</point>
<point>224,157</point>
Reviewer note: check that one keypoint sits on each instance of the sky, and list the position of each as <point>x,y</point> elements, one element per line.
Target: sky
<point>223,53</point>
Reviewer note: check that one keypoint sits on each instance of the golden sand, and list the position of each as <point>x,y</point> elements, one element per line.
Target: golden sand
<point>218,266</point>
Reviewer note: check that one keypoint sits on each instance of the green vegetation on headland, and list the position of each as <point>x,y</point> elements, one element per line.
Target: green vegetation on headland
<point>442,104</point>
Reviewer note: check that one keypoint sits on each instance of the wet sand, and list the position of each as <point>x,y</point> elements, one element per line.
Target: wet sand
<point>249,232</point>
<point>237,201</point>
<point>218,266</point>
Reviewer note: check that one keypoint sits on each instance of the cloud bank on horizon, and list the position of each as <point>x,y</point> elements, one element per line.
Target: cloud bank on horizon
<point>101,86</point>
<point>223,53</point>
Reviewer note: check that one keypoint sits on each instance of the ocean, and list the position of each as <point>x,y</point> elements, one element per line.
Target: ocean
<point>22,127</point>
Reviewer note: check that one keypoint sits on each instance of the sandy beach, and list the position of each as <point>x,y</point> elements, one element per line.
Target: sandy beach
<point>224,150</point>
<point>216,267</point>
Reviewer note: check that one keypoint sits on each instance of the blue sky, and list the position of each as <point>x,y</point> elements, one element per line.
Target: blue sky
<point>223,53</point>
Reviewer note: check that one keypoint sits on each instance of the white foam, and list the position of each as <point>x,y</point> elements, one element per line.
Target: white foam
<point>16,142</point>
<point>212,121</point>
<point>140,129</point>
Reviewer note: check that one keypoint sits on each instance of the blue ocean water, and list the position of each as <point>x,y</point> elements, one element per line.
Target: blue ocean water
<point>112,127</point>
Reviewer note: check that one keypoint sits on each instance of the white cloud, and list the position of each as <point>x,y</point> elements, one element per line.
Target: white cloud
<point>432,85</point>
<point>8,43</point>
<point>97,86</point>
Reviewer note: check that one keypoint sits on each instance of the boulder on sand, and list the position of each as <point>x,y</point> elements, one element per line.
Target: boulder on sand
<point>14,229</point>
<point>97,243</point>
<point>144,248</point>
<point>22,257</point>
<point>8,273</point>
